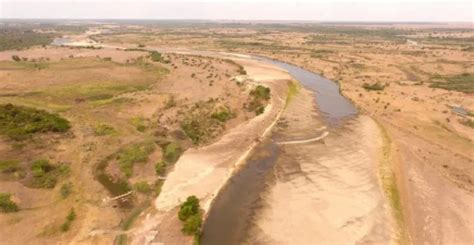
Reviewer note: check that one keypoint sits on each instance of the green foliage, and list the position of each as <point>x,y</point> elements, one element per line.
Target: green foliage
<point>134,154</point>
<point>18,122</point>
<point>462,83</point>
<point>6,204</point>
<point>190,214</point>
<point>160,167</point>
<point>156,56</point>
<point>259,97</point>
<point>104,129</point>
<point>222,114</point>
<point>172,152</point>
<point>375,86</point>
<point>65,190</point>
<point>188,208</point>
<point>142,187</point>
<point>45,175</point>
<point>9,166</point>
<point>21,38</point>
<point>40,167</point>
<point>69,219</point>
<point>139,124</point>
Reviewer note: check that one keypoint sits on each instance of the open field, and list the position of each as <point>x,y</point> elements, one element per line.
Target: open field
<point>110,116</point>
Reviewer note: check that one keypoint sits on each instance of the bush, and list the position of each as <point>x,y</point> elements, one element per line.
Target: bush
<point>259,97</point>
<point>156,56</point>
<point>142,187</point>
<point>104,129</point>
<point>160,167</point>
<point>134,154</point>
<point>261,93</point>
<point>18,122</point>
<point>40,167</point>
<point>65,190</point>
<point>222,114</point>
<point>188,208</point>
<point>376,86</point>
<point>69,219</point>
<point>45,175</point>
<point>192,225</point>
<point>9,166</point>
<point>6,204</point>
<point>16,58</point>
<point>172,152</point>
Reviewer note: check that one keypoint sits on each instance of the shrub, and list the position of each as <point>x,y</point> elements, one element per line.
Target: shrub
<point>139,124</point>
<point>261,92</point>
<point>134,154</point>
<point>6,204</point>
<point>18,122</point>
<point>172,152</point>
<point>65,190</point>
<point>142,187</point>
<point>40,167</point>
<point>9,166</point>
<point>375,86</point>
<point>190,214</point>
<point>104,129</point>
<point>259,97</point>
<point>16,58</point>
<point>45,175</point>
<point>160,167</point>
<point>156,56</point>
<point>192,225</point>
<point>222,114</point>
<point>69,219</point>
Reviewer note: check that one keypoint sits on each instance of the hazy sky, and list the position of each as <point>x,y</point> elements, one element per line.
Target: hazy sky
<point>317,10</point>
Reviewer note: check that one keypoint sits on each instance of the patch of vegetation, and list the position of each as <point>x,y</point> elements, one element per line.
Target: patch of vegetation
<point>142,187</point>
<point>171,102</point>
<point>21,38</point>
<point>468,122</point>
<point>6,204</point>
<point>156,56</point>
<point>462,83</point>
<point>19,122</point>
<point>46,175</point>
<point>134,154</point>
<point>222,114</point>
<point>160,167</point>
<point>190,214</point>
<point>104,129</point>
<point>259,98</point>
<point>139,123</point>
<point>374,87</point>
<point>65,190</point>
<point>69,219</point>
<point>9,166</point>
<point>172,151</point>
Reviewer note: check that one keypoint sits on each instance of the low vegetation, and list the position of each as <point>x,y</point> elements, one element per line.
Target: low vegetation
<point>134,154</point>
<point>104,129</point>
<point>160,168</point>
<point>374,86</point>
<point>191,215</point>
<point>19,122</point>
<point>22,38</point>
<point>65,190</point>
<point>6,204</point>
<point>171,152</point>
<point>45,174</point>
<point>259,97</point>
<point>142,187</point>
<point>156,56</point>
<point>462,83</point>
<point>69,219</point>
<point>9,166</point>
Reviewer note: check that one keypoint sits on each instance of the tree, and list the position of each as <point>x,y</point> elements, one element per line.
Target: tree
<point>16,58</point>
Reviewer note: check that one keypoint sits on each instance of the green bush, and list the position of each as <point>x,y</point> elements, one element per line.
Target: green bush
<point>188,208</point>
<point>156,56</point>
<point>192,225</point>
<point>160,167</point>
<point>261,93</point>
<point>9,166</point>
<point>6,204</point>
<point>134,154</point>
<point>46,175</point>
<point>69,219</point>
<point>16,58</point>
<point>40,167</point>
<point>104,129</point>
<point>142,187</point>
<point>172,152</point>
<point>19,122</point>
<point>65,190</point>
<point>222,114</point>
<point>259,97</point>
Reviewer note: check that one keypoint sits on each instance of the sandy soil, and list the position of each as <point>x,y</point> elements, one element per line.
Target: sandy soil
<point>203,171</point>
<point>331,185</point>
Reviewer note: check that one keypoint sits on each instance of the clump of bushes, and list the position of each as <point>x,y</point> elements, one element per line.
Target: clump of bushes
<point>9,166</point>
<point>134,154</point>
<point>462,83</point>
<point>139,123</point>
<point>259,98</point>
<point>104,129</point>
<point>160,167</point>
<point>156,56</point>
<point>46,175</point>
<point>6,204</point>
<point>171,152</point>
<point>375,86</point>
<point>69,219</point>
<point>19,122</point>
<point>222,114</point>
<point>65,190</point>
<point>190,214</point>
<point>142,187</point>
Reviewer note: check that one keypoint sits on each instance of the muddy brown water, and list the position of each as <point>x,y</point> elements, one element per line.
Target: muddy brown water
<point>231,214</point>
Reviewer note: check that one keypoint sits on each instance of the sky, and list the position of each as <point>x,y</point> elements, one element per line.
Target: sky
<point>308,10</point>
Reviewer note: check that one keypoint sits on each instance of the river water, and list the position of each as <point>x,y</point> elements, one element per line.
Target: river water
<point>230,217</point>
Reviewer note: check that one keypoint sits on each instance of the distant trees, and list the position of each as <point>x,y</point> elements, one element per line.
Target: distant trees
<point>16,58</point>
